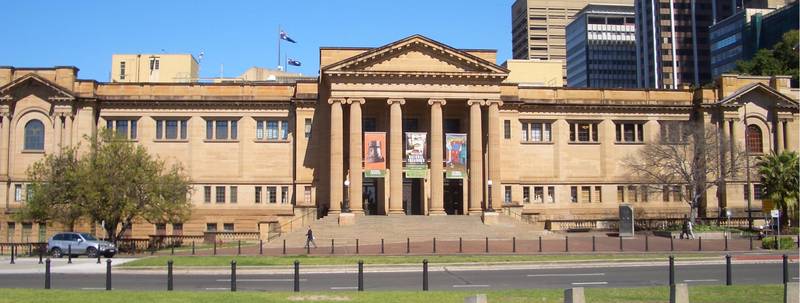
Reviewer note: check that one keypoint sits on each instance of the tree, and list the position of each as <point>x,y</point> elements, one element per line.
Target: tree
<point>696,157</point>
<point>780,173</point>
<point>781,59</point>
<point>51,193</point>
<point>121,182</point>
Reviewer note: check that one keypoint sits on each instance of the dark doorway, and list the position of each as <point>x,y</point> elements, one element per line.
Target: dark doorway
<point>412,202</point>
<point>453,197</point>
<point>370,195</point>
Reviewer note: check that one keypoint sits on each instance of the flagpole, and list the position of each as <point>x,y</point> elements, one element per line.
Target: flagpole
<point>286,62</point>
<point>279,46</point>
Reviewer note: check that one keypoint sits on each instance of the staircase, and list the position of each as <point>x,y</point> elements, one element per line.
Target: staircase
<point>398,228</point>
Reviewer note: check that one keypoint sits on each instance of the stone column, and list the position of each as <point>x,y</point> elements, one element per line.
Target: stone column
<point>475,157</point>
<point>70,132</point>
<point>437,142</point>
<point>396,156</point>
<point>337,156</point>
<point>4,143</point>
<point>779,144</point>
<point>494,153</point>
<point>356,152</point>
<point>59,138</point>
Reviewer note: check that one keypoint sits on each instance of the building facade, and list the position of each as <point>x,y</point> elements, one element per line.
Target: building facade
<point>601,47</point>
<point>414,127</point>
<point>741,35</point>
<point>164,68</point>
<point>538,28</point>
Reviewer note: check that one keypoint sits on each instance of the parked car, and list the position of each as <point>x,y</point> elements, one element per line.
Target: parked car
<point>79,244</point>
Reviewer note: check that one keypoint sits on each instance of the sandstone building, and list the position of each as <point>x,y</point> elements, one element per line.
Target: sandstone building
<point>263,154</point>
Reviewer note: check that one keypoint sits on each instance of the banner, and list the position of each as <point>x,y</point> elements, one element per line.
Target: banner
<point>416,165</point>
<point>374,154</point>
<point>456,166</point>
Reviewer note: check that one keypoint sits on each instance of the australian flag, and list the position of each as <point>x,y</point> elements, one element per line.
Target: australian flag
<point>286,37</point>
<point>294,62</point>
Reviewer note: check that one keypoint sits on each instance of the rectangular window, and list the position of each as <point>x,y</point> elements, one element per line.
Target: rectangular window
<point>759,192</point>
<point>122,70</point>
<point>220,194</point>
<point>212,227</point>
<point>184,129</point>
<point>171,129</point>
<point>234,194</point>
<point>10,231</point>
<point>272,194</point>
<point>28,192</point>
<point>222,129</point>
<point>645,193</point>
<point>42,232</point>
<point>746,192</point>
<point>307,194</point>
<point>125,128</point>
<point>507,129</point>
<point>272,130</point>
<point>538,194</point>
<point>161,229</point>
<point>228,227</point>
<point>539,131</point>
<point>284,195</point>
<point>209,129</point>
<point>258,194</point>
<point>17,192</point>
<point>206,194</point>
<point>308,128</point>
<point>598,193</point>
<point>583,132</point>
<point>586,194</point>
<point>677,193</point>
<point>177,229</point>
<point>27,230</point>
<point>573,194</point>
<point>620,194</point>
<point>633,194</point>
<point>675,131</point>
<point>630,132</point>
<point>234,129</point>
<point>551,194</point>
<point>526,194</point>
<point>507,195</point>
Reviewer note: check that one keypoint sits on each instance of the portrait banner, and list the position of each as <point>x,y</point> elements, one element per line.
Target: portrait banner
<point>456,165</point>
<point>374,154</point>
<point>416,165</point>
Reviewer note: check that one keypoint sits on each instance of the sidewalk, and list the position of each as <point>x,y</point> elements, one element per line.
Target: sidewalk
<point>78,266</point>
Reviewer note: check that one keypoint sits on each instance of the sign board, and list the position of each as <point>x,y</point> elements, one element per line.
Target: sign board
<point>767,206</point>
<point>775,213</point>
<point>626,220</point>
<point>416,164</point>
<point>374,159</point>
<point>456,165</point>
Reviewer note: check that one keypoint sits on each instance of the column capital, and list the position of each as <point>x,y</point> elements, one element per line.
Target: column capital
<point>401,101</point>
<point>356,100</point>
<point>336,100</point>
<point>470,102</point>
<point>439,101</point>
<point>494,101</point>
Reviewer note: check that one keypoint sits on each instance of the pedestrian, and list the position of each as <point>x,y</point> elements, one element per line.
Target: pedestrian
<point>685,228</point>
<point>691,230</point>
<point>310,238</point>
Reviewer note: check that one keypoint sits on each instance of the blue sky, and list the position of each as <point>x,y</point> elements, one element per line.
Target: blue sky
<point>236,34</point>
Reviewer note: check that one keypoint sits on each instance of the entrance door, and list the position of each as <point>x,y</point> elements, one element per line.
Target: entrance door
<point>370,198</point>
<point>453,197</point>
<point>412,200</point>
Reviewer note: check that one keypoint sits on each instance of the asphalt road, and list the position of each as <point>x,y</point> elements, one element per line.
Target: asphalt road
<point>440,280</point>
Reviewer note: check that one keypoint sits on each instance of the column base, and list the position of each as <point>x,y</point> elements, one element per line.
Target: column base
<point>397,212</point>
<point>347,218</point>
<point>359,212</point>
<point>475,212</point>
<point>437,212</point>
<point>334,212</point>
<point>490,218</point>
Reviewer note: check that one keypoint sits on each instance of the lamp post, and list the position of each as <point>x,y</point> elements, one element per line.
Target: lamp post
<point>747,172</point>
<point>490,209</point>
<point>346,206</point>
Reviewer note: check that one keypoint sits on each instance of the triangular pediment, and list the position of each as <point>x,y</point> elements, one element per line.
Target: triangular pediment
<point>758,92</point>
<point>416,54</point>
<point>33,80</point>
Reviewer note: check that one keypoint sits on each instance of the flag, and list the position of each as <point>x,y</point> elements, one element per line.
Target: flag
<point>293,62</point>
<point>286,37</point>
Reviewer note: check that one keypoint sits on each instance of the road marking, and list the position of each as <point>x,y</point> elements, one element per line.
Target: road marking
<point>470,285</point>
<point>217,288</point>
<point>589,283</point>
<point>568,275</point>
<point>261,280</point>
<point>795,278</point>
<point>343,287</point>
<point>701,280</point>
<point>94,288</point>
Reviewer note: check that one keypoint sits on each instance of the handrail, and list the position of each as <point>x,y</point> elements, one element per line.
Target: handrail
<point>290,223</point>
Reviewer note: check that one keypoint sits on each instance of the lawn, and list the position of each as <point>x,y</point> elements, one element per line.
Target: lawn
<point>697,294</point>
<point>392,260</point>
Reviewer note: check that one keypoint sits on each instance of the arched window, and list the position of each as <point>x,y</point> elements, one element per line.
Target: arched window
<point>34,135</point>
<point>754,141</point>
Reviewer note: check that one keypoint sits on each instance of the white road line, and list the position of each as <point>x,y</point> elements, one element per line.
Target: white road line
<point>343,287</point>
<point>701,280</point>
<point>470,285</point>
<point>589,283</point>
<point>261,280</point>
<point>217,288</point>
<point>94,288</point>
<point>568,275</point>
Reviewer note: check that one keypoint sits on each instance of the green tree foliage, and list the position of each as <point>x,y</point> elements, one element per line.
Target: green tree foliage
<point>782,59</point>
<point>117,182</point>
<point>780,173</point>
<point>52,194</point>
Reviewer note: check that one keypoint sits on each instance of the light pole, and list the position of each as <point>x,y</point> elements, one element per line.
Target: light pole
<point>747,172</point>
<point>346,206</point>
<point>490,209</point>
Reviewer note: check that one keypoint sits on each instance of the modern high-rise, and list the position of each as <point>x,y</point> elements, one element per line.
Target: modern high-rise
<point>538,27</point>
<point>140,68</point>
<point>601,47</point>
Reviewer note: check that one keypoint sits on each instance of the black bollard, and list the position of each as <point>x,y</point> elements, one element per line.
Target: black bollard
<point>728,273</point>
<point>671,270</point>
<point>108,274</point>
<point>408,245</point>
<point>434,245</point>
<point>12,253</point>
<point>239,250</point>
<point>69,254</point>
<point>356,246</point>
<point>487,245</point>
<point>284,246</point>
<point>381,245</point>
<point>47,274</point>
<point>513,244</point>
<point>360,275</point>
<point>98,257</point>
<point>726,242</point>
<point>751,242</point>
<point>260,247</point>
<point>296,276</point>
<point>308,248</point>
<point>425,275</point>
<point>699,243</point>
<point>172,249</point>
<point>215,247</point>
<point>671,244</point>
<point>332,245</point>
<point>594,248</point>
<point>233,275</point>
<point>621,248</point>
<point>646,243</point>
<point>566,243</point>
<point>540,243</point>
<point>192,248</point>
<point>169,275</point>
<point>41,248</point>
<point>785,269</point>
<point>460,245</point>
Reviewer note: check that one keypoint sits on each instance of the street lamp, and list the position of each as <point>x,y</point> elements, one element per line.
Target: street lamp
<point>346,206</point>
<point>490,209</point>
<point>747,172</point>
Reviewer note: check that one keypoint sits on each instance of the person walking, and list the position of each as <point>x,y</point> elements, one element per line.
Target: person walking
<point>685,228</point>
<point>310,238</point>
<point>691,229</point>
